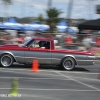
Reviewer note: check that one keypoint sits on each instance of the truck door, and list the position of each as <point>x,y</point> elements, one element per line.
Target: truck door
<point>35,52</point>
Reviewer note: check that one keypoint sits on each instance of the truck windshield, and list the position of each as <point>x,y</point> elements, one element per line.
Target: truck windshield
<point>27,43</point>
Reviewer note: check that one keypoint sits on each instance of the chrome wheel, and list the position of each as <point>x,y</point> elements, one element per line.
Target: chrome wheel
<point>68,64</point>
<point>6,60</point>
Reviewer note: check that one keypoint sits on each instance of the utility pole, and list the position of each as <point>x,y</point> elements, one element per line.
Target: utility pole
<point>90,8</point>
<point>49,4</point>
<point>32,11</point>
<point>23,6</point>
<point>90,15</point>
<point>69,9</point>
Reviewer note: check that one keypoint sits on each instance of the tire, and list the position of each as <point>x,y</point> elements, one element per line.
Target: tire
<point>6,60</point>
<point>68,64</point>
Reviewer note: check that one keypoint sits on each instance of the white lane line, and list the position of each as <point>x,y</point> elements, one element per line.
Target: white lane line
<point>71,72</point>
<point>33,78</point>
<point>90,86</point>
<point>48,70</point>
<point>39,96</point>
<point>85,78</point>
<point>23,73</point>
<point>97,64</point>
<point>36,89</point>
<point>76,72</point>
<point>50,78</point>
<point>31,73</point>
<point>24,69</point>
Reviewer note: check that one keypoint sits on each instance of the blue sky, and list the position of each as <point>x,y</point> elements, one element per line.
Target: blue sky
<point>32,8</point>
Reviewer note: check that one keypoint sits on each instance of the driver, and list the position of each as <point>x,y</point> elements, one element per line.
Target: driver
<point>42,44</point>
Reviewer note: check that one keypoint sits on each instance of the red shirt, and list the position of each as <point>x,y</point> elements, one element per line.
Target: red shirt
<point>97,42</point>
<point>68,41</point>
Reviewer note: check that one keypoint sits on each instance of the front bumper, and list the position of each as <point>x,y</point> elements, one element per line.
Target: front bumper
<point>97,57</point>
<point>89,60</point>
<point>91,57</point>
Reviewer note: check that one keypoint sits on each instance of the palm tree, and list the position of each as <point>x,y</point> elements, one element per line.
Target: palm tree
<point>53,17</point>
<point>40,18</point>
<point>6,3</point>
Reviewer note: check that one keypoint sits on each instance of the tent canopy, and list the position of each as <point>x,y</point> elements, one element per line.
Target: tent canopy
<point>92,25</point>
<point>36,22</point>
<point>71,30</point>
<point>36,26</point>
<point>11,24</point>
<point>62,23</point>
<point>62,26</point>
<point>32,26</point>
<point>11,20</point>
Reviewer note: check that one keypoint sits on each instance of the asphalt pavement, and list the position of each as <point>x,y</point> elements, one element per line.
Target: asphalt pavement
<point>50,83</point>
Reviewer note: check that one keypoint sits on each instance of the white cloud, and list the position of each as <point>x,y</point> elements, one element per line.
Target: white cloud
<point>9,12</point>
<point>79,15</point>
<point>37,6</point>
<point>80,7</point>
<point>60,1</point>
<point>63,15</point>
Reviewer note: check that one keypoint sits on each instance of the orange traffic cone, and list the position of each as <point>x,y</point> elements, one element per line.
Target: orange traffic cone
<point>35,66</point>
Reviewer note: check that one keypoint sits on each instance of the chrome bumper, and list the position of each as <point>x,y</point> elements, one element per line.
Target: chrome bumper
<point>90,60</point>
<point>97,57</point>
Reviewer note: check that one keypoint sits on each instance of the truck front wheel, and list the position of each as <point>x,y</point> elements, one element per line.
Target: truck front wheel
<point>68,64</point>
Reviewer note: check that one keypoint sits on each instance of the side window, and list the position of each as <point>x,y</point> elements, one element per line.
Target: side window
<point>48,45</point>
<point>35,44</point>
<point>40,44</point>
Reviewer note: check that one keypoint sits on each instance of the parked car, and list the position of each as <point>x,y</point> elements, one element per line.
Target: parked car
<point>43,50</point>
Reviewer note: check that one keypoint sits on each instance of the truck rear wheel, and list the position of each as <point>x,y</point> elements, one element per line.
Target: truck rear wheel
<point>6,60</point>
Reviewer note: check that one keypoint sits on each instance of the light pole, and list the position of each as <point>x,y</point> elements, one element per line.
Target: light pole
<point>69,9</point>
<point>49,4</point>
<point>23,6</point>
<point>32,7</point>
<point>90,9</point>
<point>90,15</point>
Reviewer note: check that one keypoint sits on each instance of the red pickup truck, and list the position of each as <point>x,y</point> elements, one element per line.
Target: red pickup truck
<point>44,51</point>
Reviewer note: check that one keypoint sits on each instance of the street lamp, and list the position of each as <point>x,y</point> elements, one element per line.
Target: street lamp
<point>90,10</point>
<point>69,9</point>
<point>31,7</point>
<point>49,4</point>
<point>23,7</point>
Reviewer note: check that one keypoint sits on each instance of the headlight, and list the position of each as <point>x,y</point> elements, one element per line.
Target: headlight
<point>91,57</point>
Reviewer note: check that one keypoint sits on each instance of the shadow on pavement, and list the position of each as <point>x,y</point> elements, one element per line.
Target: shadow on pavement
<point>81,69</point>
<point>17,66</point>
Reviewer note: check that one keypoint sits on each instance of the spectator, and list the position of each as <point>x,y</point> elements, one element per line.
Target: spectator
<point>87,42</point>
<point>55,40</point>
<point>98,41</point>
<point>27,37</point>
<point>68,40</point>
<point>20,39</point>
